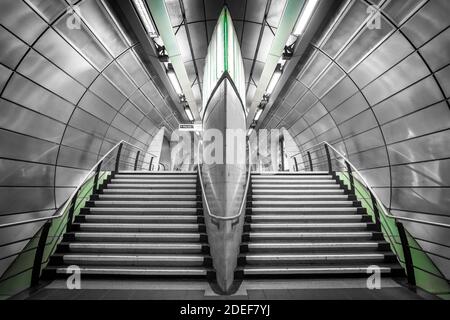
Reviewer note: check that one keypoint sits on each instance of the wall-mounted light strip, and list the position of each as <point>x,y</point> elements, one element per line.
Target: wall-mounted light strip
<point>189,114</point>
<point>146,18</point>
<point>274,81</point>
<point>258,113</point>
<point>174,80</point>
<point>305,16</point>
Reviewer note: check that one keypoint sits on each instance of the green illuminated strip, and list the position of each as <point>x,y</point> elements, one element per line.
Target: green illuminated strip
<point>225,41</point>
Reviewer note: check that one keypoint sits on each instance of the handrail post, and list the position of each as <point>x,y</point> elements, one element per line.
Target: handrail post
<point>73,203</point>
<point>350,177</point>
<point>37,264</point>
<point>310,161</point>
<point>376,212</point>
<point>137,160</point>
<point>97,173</point>
<point>119,152</point>
<point>151,163</point>
<point>330,166</point>
<point>406,254</point>
<point>296,164</point>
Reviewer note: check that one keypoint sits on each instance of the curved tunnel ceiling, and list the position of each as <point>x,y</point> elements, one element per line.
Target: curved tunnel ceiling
<point>381,97</point>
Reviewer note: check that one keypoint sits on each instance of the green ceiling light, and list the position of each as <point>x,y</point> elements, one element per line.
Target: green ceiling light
<point>305,17</point>
<point>146,18</point>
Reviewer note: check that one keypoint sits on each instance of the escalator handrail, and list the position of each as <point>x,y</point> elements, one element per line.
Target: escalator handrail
<point>244,200</point>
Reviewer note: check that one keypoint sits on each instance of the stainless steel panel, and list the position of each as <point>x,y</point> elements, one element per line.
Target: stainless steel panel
<point>427,200</point>
<point>103,26</point>
<point>420,95</point>
<point>28,94</point>
<point>131,112</point>
<point>53,47</point>
<point>88,123</point>
<point>341,92</point>
<point>305,102</point>
<point>21,120</point>
<point>12,49</point>
<point>141,102</point>
<point>71,157</point>
<point>407,72</point>
<point>21,199</point>
<point>48,10</point>
<point>255,10</point>
<point>323,125</point>
<point>437,51</point>
<point>377,178</point>
<point>345,28</point>
<point>249,41</point>
<point>83,141</point>
<point>349,108</point>
<point>428,174</point>
<point>105,90</point>
<point>443,77</point>
<point>298,127</point>
<point>297,91</point>
<point>421,149</point>
<point>132,65</point>
<point>428,22</point>
<point>398,10</point>
<point>117,76</point>
<point>85,42</point>
<point>40,70</point>
<point>364,141</point>
<point>17,173</point>
<point>328,80</point>
<point>96,106</point>
<point>432,119</point>
<point>315,113</point>
<point>392,51</point>
<point>4,76</point>
<point>123,124</point>
<point>362,122</point>
<point>317,64</point>
<point>17,146</point>
<point>18,17</point>
<point>331,135</point>
<point>67,177</point>
<point>373,158</point>
<point>62,194</point>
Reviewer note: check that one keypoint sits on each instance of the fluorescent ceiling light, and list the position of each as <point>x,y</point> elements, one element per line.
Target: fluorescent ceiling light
<point>258,114</point>
<point>250,131</point>
<point>189,114</point>
<point>174,80</point>
<point>145,17</point>
<point>305,16</point>
<point>274,81</point>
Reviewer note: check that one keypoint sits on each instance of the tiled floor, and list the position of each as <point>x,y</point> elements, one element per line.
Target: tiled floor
<point>330,289</point>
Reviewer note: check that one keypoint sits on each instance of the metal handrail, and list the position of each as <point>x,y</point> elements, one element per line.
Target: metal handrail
<point>63,209</point>
<point>244,200</point>
<point>385,211</point>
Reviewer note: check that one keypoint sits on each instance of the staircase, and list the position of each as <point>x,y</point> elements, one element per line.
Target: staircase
<point>139,224</point>
<point>308,225</point>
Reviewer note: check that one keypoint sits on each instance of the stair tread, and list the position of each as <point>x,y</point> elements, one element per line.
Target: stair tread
<point>134,270</point>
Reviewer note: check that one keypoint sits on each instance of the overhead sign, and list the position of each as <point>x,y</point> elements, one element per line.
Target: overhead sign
<point>192,127</point>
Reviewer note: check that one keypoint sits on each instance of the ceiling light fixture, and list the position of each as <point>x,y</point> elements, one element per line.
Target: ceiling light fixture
<point>305,16</point>
<point>189,114</point>
<point>258,114</point>
<point>274,81</point>
<point>174,80</point>
<point>146,18</point>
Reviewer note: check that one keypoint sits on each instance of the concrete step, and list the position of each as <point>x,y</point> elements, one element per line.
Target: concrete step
<point>318,258</point>
<point>143,211</point>
<point>155,176</point>
<point>291,177</point>
<point>313,247</point>
<point>319,227</point>
<point>312,197</point>
<point>153,181</point>
<point>87,259</point>
<point>114,247</point>
<point>313,236</point>
<point>294,187</point>
<point>278,173</point>
<point>295,192</point>
<point>137,227</point>
<point>300,204</point>
<point>308,218</point>
<point>133,271</point>
<point>118,190</point>
<point>156,173</point>
<point>138,219</point>
<point>290,271</point>
<point>305,210</point>
<point>144,204</point>
<point>123,237</point>
<point>152,186</point>
<point>148,197</point>
<point>257,182</point>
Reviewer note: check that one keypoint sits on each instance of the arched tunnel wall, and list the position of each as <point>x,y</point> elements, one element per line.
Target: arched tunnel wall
<point>67,97</point>
<point>381,97</point>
